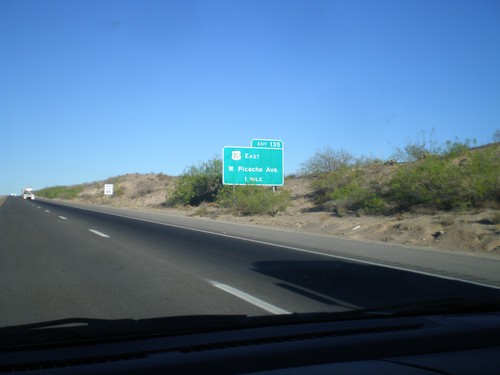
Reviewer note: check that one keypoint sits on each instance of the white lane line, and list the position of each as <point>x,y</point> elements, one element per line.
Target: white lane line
<point>47,211</point>
<point>293,248</point>
<point>98,233</point>
<point>38,207</point>
<point>250,299</point>
<point>62,217</point>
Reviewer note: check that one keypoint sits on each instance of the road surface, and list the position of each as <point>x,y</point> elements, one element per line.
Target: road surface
<point>61,260</point>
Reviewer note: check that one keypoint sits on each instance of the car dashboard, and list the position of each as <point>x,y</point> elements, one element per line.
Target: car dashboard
<point>432,344</point>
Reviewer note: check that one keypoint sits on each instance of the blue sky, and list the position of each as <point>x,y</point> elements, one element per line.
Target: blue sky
<point>94,89</point>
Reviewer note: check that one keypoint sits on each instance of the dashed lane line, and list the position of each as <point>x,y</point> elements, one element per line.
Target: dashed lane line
<point>249,298</point>
<point>98,233</point>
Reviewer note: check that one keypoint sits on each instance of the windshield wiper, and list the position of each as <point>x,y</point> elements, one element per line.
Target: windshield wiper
<point>457,305</point>
<point>83,329</point>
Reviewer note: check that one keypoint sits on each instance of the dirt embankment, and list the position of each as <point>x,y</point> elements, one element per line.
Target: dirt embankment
<point>475,231</point>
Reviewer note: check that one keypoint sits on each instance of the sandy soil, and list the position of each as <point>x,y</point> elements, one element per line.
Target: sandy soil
<point>473,231</point>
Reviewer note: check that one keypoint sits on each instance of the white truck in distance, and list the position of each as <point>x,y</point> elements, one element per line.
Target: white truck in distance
<point>28,194</point>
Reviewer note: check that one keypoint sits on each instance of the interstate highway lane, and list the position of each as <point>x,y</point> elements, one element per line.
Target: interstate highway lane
<point>59,261</point>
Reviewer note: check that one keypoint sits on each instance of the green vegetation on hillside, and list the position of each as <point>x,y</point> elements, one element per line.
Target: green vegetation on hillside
<point>452,181</point>
<point>423,174</point>
<point>458,177</point>
<point>60,192</point>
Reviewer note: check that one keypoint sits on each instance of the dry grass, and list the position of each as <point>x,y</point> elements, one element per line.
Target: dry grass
<point>131,190</point>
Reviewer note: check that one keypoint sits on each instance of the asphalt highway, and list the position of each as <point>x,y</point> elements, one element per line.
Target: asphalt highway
<point>60,260</point>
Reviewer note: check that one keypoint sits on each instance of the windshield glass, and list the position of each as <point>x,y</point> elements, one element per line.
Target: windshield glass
<point>258,158</point>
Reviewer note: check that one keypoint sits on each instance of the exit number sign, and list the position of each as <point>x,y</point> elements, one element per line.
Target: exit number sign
<point>271,143</point>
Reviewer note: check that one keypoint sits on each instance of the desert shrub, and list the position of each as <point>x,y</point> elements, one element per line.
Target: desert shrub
<point>439,182</point>
<point>417,149</point>
<point>496,136</point>
<point>118,191</point>
<point>254,200</point>
<point>347,189</point>
<point>482,182</point>
<point>457,147</point>
<point>347,193</point>
<point>367,161</point>
<point>199,183</point>
<point>324,184</point>
<point>327,160</point>
<point>372,204</point>
<point>352,196</point>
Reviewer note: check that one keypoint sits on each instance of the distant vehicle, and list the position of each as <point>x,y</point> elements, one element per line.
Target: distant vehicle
<point>28,194</point>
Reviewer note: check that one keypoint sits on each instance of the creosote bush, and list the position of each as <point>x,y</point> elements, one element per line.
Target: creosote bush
<point>345,189</point>
<point>199,183</point>
<point>327,160</point>
<point>254,200</point>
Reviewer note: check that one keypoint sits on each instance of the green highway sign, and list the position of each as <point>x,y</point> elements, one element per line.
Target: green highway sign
<point>252,166</point>
<point>271,143</point>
